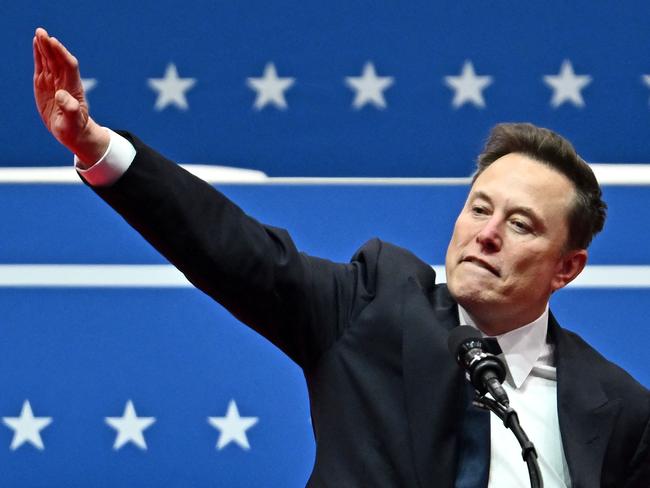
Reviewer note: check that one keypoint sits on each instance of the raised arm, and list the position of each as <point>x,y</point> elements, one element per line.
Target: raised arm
<point>61,101</point>
<point>300,303</point>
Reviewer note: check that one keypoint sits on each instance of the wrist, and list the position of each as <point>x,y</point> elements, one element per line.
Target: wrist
<point>92,144</point>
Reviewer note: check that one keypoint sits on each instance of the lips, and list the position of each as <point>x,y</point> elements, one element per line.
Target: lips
<point>482,264</point>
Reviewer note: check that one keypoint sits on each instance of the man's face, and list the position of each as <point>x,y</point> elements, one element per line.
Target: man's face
<point>506,255</point>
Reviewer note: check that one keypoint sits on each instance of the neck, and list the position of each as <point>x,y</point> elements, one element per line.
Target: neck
<point>492,324</point>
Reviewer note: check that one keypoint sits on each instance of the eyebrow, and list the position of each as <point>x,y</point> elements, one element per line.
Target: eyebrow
<point>527,211</point>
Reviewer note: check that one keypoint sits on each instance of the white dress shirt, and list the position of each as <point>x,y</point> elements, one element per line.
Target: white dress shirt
<point>116,160</point>
<point>531,385</point>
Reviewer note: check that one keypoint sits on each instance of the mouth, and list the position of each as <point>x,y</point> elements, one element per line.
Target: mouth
<point>483,264</point>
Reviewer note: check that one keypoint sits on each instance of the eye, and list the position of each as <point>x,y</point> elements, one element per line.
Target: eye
<point>520,226</point>
<point>479,210</point>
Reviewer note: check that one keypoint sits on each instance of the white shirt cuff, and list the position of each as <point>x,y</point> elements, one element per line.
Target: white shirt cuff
<point>112,165</point>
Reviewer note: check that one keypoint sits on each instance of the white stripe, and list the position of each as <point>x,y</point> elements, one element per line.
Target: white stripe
<point>304,181</point>
<point>92,275</point>
<point>607,174</point>
<point>622,174</point>
<point>222,175</point>
<point>596,276</point>
<point>613,277</point>
<point>166,276</point>
<point>67,175</point>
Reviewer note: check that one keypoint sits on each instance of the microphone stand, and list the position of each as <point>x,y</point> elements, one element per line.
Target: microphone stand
<point>511,421</point>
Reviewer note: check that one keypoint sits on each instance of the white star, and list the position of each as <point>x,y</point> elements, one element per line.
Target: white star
<point>646,80</point>
<point>567,86</point>
<point>171,89</point>
<point>369,87</point>
<point>468,86</point>
<point>270,88</point>
<point>130,427</point>
<point>232,427</point>
<point>27,428</point>
<point>88,84</point>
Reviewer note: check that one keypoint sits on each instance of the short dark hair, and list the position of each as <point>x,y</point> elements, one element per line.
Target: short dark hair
<point>587,216</point>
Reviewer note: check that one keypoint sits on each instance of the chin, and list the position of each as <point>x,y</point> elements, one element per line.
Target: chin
<point>470,296</point>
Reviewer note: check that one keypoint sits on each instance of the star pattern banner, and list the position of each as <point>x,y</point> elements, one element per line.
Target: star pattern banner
<point>316,88</point>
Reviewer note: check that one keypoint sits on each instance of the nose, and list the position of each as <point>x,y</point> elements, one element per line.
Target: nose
<point>489,237</point>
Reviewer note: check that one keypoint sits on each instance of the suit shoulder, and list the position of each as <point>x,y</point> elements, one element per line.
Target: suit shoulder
<point>614,379</point>
<point>375,250</point>
<point>390,257</point>
<point>382,262</point>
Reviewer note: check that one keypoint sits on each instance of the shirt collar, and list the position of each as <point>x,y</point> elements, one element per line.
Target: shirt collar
<point>521,347</point>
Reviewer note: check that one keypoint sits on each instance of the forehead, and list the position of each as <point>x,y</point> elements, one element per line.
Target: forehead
<point>520,180</point>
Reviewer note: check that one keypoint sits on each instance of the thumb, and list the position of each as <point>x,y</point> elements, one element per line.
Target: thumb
<point>66,102</point>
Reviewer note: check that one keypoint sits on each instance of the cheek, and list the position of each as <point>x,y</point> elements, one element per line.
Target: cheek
<point>454,248</point>
<point>462,232</point>
<point>453,240</point>
<point>531,272</point>
<point>451,258</point>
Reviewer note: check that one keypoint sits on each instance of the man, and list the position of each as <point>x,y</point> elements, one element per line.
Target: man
<point>389,405</point>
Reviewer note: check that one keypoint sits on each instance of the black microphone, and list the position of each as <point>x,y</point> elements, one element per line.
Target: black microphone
<point>484,370</point>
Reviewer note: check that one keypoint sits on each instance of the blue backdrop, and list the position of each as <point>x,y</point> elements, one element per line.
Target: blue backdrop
<point>602,103</point>
<point>78,354</point>
<point>362,89</point>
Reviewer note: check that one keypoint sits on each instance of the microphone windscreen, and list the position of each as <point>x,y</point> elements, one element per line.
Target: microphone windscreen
<point>459,335</point>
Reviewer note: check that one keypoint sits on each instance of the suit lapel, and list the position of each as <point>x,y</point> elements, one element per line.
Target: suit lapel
<point>433,392</point>
<point>432,381</point>
<point>585,413</point>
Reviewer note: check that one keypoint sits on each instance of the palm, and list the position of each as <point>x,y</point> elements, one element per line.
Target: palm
<point>56,120</point>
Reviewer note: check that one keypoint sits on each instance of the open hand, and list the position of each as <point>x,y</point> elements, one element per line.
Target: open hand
<point>61,101</point>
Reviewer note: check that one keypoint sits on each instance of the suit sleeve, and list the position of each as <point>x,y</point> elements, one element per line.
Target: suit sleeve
<point>300,303</point>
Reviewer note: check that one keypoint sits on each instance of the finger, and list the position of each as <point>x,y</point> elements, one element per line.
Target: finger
<point>38,64</point>
<point>41,50</point>
<point>63,52</point>
<point>49,58</point>
<point>64,59</point>
<point>47,68</point>
<point>41,32</point>
<point>41,37</point>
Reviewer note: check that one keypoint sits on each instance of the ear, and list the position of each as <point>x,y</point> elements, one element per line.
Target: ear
<point>569,266</point>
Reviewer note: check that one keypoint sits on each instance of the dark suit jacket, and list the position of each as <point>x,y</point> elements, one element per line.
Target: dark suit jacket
<point>371,336</point>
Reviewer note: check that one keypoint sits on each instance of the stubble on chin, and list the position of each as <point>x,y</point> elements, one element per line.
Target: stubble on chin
<point>470,294</point>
